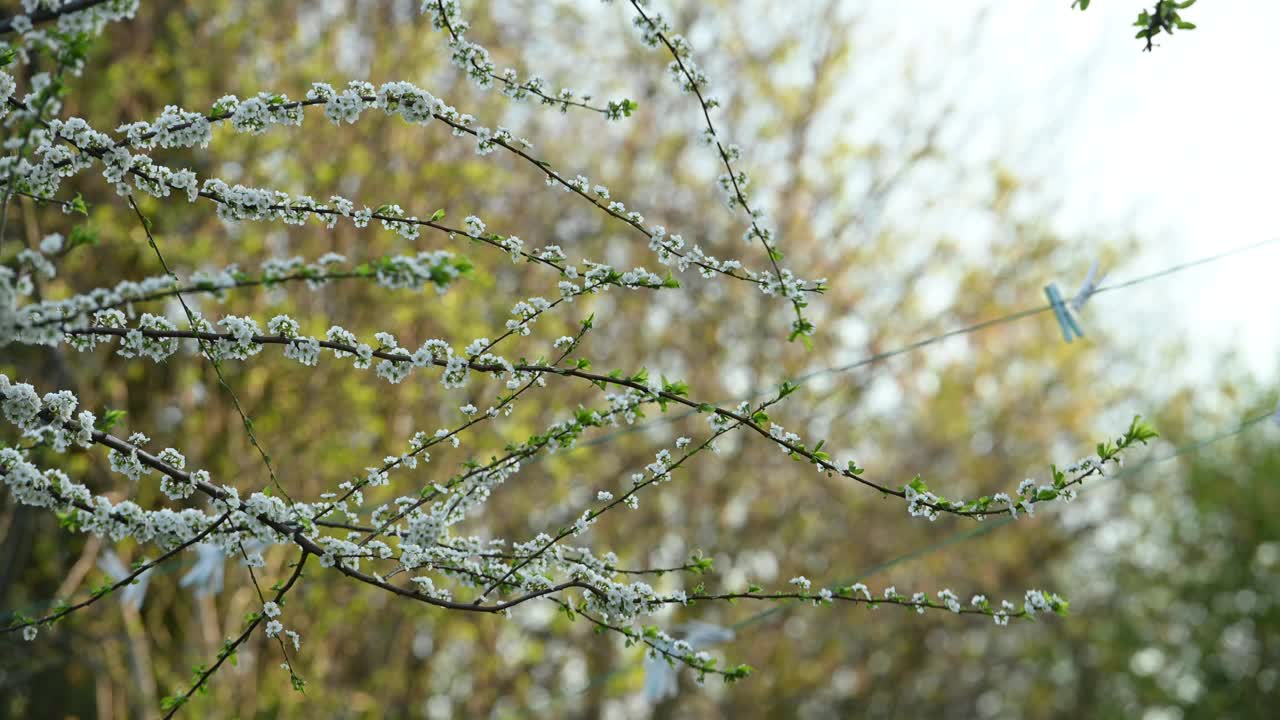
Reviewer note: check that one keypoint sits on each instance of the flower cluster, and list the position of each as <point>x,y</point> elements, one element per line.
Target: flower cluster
<point>655,31</point>
<point>78,20</point>
<point>474,60</point>
<point>82,146</point>
<point>921,502</point>
<point>45,322</point>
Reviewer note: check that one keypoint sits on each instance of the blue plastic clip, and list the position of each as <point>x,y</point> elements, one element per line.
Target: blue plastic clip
<point>1090,286</point>
<point>1066,321</point>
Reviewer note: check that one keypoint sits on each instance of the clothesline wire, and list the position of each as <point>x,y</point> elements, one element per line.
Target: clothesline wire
<point>1032,311</point>
<point>925,342</point>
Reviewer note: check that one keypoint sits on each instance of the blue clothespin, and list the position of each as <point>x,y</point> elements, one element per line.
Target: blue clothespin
<point>1088,288</point>
<point>1066,321</point>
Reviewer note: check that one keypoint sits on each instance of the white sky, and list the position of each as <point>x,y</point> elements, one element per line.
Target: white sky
<point>1180,146</point>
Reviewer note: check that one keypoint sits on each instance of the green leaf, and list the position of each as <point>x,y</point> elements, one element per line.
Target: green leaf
<point>699,564</point>
<point>109,420</point>
<point>679,387</point>
<point>69,521</point>
<point>1141,431</point>
<point>802,329</point>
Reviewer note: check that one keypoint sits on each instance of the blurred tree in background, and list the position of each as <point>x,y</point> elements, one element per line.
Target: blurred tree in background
<point>864,165</point>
